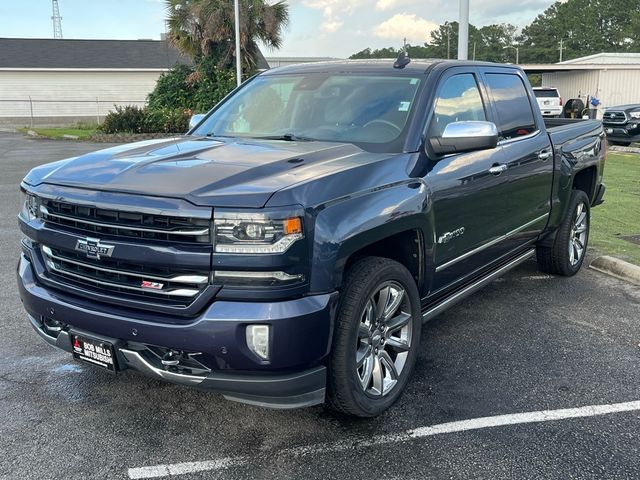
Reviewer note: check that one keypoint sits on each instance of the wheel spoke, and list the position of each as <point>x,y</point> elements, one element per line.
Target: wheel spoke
<point>581,228</point>
<point>364,332</point>
<point>363,352</point>
<point>578,243</point>
<point>580,218</point>
<point>383,301</point>
<point>365,378</point>
<point>394,303</point>
<point>397,344</point>
<point>571,252</point>
<point>397,322</point>
<point>389,365</point>
<point>377,375</point>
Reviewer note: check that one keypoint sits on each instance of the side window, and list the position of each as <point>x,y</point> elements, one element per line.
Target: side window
<point>509,96</point>
<point>459,100</point>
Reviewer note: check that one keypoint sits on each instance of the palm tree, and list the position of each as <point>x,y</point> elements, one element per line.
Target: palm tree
<point>205,28</point>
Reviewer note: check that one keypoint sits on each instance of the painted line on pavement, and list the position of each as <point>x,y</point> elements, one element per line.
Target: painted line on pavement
<point>408,435</point>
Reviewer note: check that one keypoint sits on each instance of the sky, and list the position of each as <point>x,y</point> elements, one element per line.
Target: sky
<point>318,28</point>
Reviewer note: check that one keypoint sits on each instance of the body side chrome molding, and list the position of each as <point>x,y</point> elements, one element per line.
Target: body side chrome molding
<point>490,244</point>
<point>468,290</point>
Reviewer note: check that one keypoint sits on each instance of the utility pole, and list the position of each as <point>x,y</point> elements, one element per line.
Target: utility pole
<point>448,40</point>
<point>561,41</point>
<point>463,31</point>
<point>56,19</point>
<point>474,51</point>
<point>238,52</point>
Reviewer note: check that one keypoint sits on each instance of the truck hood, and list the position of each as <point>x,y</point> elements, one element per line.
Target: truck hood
<point>204,171</point>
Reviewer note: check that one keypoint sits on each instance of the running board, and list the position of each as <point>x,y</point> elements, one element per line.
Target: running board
<point>474,287</point>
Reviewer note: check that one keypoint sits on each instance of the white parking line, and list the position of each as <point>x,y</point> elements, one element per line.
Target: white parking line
<point>408,435</point>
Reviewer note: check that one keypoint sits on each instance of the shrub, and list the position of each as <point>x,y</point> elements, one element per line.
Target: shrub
<point>166,120</point>
<point>124,119</point>
<point>132,119</point>
<point>173,90</point>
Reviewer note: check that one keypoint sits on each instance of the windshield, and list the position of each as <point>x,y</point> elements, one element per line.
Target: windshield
<point>370,111</point>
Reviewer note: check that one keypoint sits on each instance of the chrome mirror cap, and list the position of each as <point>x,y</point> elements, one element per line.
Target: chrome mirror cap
<point>470,129</point>
<point>467,136</point>
<point>196,119</point>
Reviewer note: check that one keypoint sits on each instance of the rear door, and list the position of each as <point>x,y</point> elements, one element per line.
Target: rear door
<point>528,154</point>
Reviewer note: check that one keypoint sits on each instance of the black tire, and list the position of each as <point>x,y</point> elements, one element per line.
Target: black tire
<point>557,259</point>
<point>345,392</point>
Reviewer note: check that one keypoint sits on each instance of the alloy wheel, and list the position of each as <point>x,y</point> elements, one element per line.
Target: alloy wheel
<point>384,339</point>
<point>578,237</point>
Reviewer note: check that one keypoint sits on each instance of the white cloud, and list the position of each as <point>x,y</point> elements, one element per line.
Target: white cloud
<point>331,26</point>
<point>384,5</point>
<point>401,25</point>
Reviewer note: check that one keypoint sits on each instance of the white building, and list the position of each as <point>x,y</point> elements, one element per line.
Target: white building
<point>46,81</point>
<point>613,78</point>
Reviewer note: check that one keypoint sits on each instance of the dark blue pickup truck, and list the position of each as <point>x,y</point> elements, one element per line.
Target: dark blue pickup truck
<point>286,251</point>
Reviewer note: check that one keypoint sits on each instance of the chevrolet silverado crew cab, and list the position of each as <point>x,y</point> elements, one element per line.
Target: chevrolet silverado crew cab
<point>622,124</point>
<point>286,250</point>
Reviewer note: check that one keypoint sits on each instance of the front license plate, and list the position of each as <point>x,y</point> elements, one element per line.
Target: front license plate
<point>94,351</point>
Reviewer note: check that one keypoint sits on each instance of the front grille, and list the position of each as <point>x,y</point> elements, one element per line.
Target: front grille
<point>116,223</point>
<point>614,117</point>
<point>164,285</point>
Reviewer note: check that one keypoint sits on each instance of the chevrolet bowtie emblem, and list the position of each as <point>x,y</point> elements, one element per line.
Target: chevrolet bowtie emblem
<point>93,248</point>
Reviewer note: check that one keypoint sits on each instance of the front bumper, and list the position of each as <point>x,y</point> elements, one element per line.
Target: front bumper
<point>294,377</point>
<point>622,133</point>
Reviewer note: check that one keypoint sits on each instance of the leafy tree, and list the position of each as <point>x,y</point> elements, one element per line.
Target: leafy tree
<point>585,26</point>
<point>205,28</point>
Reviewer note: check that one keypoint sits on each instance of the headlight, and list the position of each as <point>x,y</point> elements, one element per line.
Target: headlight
<point>249,233</point>
<point>635,114</point>
<point>29,210</point>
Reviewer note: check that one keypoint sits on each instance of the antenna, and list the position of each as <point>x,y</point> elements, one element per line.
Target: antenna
<point>57,20</point>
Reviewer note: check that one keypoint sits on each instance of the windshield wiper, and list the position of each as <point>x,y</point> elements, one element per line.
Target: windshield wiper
<point>287,137</point>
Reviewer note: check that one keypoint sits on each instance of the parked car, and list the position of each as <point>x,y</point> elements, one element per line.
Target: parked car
<point>549,101</point>
<point>622,124</point>
<point>287,250</point>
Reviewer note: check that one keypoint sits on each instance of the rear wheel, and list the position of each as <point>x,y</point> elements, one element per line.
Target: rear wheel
<point>567,254</point>
<point>376,338</point>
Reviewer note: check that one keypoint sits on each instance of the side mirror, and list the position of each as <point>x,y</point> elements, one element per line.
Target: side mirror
<point>196,119</point>
<point>465,136</point>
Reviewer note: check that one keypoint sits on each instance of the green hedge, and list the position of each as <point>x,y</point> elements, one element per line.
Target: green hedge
<point>132,119</point>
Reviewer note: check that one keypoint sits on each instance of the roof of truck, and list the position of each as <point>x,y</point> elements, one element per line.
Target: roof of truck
<point>420,65</point>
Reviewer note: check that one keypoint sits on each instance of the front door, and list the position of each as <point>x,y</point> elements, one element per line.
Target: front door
<point>469,204</point>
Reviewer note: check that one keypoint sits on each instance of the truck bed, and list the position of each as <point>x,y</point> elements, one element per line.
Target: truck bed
<point>565,130</point>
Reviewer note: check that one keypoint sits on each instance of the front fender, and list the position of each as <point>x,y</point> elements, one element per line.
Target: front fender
<point>352,223</point>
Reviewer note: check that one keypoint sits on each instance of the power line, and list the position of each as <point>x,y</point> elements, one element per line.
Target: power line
<point>56,19</point>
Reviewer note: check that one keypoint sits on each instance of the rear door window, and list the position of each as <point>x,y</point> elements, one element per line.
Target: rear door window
<point>511,102</point>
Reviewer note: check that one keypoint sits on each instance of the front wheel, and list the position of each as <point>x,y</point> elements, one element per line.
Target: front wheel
<point>376,338</point>
<point>567,254</point>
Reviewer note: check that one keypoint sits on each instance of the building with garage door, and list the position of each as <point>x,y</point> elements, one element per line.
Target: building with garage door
<point>613,78</point>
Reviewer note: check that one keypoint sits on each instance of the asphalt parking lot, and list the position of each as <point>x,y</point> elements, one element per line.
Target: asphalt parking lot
<point>526,343</point>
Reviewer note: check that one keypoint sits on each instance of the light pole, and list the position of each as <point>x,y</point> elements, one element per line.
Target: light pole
<point>517,49</point>
<point>463,31</point>
<point>236,5</point>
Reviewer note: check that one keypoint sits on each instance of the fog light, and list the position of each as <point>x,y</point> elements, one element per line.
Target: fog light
<point>258,340</point>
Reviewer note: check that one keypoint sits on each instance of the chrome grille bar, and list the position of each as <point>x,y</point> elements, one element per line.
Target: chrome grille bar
<point>197,279</point>
<point>45,211</point>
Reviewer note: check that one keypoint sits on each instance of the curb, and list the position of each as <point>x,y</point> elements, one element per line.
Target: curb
<point>617,268</point>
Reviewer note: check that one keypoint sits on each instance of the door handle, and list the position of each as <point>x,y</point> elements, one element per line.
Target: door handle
<point>544,155</point>
<point>498,169</point>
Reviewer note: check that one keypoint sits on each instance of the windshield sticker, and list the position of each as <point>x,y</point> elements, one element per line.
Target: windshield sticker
<point>404,106</point>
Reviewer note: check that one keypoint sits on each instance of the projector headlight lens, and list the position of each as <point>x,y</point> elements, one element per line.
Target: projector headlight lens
<point>255,233</point>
